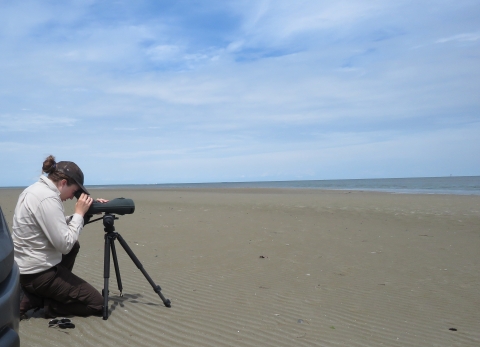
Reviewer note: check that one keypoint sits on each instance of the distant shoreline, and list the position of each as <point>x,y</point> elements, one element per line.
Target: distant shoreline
<point>456,185</point>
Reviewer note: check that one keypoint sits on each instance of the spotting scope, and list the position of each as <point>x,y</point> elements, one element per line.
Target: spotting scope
<point>116,206</point>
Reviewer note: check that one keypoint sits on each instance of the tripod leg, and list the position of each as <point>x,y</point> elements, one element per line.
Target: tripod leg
<point>106,275</point>
<point>139,265</point>
<point>117,268</point>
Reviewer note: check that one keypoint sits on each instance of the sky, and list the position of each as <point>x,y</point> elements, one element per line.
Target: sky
<point>145,92</point>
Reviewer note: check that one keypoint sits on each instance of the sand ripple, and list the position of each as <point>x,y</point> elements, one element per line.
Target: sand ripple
<point>288,269</point>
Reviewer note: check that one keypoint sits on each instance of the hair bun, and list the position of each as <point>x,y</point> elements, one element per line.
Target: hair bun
<point>49,165</point>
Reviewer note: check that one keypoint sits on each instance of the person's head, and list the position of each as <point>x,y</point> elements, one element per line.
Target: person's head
<point>66,175</point>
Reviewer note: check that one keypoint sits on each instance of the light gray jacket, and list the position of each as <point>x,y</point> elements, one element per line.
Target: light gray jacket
<point>41,233</point>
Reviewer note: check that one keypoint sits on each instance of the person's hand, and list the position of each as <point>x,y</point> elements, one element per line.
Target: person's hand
<point>102,201</point>
<point>83,204</point>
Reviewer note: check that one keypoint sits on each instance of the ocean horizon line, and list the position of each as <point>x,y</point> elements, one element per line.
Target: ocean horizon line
<point>265,181</point>
<point>461,185</point>
<point>292,180</point>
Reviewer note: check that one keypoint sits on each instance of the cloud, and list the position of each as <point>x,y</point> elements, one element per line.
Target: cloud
<point>284,19</point>
<point>29,122</point>
<point>164,52</point>
<point>465,37</point>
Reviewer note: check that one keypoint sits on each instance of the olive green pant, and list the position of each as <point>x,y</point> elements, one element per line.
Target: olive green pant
<point>63,292</point>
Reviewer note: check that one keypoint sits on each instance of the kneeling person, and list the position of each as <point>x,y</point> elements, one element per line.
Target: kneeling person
<point>46,244</point>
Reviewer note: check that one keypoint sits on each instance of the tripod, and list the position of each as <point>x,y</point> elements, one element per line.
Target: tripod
<point>110,237</point>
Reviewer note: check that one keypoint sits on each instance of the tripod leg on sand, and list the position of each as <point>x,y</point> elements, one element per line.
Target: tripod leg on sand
<point>106,275</point>
<point>117,268</point>
<point>139,265</point>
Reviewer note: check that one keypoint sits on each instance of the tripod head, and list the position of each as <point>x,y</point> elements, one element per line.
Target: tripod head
<point>108,221</point>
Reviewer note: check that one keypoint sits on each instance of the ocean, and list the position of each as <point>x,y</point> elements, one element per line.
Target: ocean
<point>463,185</point>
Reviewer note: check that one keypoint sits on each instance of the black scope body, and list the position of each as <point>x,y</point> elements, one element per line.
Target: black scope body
<point>116,206</point>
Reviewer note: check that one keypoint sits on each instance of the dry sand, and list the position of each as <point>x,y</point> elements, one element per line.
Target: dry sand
<point>260,267</point>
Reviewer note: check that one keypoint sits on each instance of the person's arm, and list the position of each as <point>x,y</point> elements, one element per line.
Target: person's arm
<point>50,217</point>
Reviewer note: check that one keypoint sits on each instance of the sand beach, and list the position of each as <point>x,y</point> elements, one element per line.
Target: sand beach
<point>281,267</point>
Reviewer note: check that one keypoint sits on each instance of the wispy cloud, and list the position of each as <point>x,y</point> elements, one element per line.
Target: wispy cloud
<point>33,123</point>
<point>465,37</point>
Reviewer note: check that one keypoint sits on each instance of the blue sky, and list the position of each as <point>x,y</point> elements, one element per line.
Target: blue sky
<point>206,91</point>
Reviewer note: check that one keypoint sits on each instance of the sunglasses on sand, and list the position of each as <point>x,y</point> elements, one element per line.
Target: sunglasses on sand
<point>62,323</point>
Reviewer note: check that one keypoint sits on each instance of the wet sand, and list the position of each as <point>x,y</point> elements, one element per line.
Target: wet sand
<point>271,267</point>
